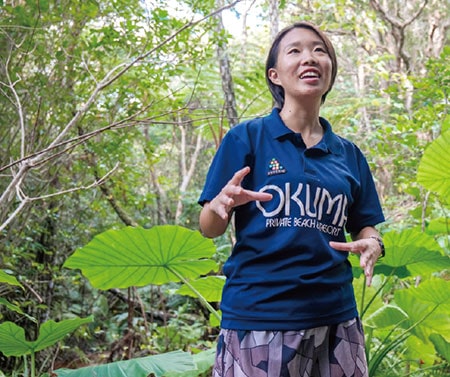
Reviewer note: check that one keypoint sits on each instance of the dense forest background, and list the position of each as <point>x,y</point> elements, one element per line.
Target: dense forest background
<point>110,113</point>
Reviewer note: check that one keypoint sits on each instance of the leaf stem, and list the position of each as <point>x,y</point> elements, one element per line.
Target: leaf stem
<point>364,309</point>
<point>363,296</point>
<point>198,294</point>
<point>33,364</point>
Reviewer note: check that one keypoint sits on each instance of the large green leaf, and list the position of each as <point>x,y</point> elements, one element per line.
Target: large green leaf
<point>434,167</point>
<point>442,346</point>
<point>427,305</point>
<point>157,365</point>
<point>420,351</point>
<point>209,287</point>
<point>203,361</point>
<point>417,251</point>
<point>138,257</point>
<point>438,226</point>
<point>434,291</point>
<point>426,314</point>
<point>13,342</point>
<point>386,316</point>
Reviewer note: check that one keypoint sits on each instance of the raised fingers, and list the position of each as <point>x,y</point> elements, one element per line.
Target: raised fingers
<point>239,176</point>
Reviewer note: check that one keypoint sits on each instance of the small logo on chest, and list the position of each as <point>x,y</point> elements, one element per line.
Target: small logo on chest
<point>275,167</point>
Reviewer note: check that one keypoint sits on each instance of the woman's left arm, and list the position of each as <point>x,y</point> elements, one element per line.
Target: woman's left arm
<point>368,244</point>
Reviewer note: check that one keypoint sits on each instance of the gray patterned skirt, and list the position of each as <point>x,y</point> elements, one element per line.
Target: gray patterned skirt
<point>327,351</point>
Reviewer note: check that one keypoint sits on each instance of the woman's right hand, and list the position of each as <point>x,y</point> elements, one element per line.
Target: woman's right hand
<point>215,215</point>
<point>233,195</point>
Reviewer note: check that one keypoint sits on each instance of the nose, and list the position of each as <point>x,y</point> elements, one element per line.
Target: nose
<point>308,58</point>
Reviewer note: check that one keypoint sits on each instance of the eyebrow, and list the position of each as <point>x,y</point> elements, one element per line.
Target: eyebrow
<point>299,43</point>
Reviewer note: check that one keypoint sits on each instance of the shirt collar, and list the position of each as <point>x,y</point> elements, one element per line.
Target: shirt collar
<point>330,142</point>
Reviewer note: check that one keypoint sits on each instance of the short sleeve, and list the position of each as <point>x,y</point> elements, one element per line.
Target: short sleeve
<point>233,154</point>
<point>366,209</point>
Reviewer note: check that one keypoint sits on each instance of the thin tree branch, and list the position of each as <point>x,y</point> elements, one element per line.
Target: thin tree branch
<point>116,125</point>
<point>24,199</point>
<point>109,78</point>
<point>398,28</point>
<point>18,209</point>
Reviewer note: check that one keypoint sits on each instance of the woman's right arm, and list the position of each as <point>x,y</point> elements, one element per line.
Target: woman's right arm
<point>211,224</point>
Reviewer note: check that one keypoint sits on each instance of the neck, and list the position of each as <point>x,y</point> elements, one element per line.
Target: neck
<point>304,120</point>
<point>301,118</point>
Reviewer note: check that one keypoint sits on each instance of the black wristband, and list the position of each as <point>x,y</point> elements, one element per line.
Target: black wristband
<point>380,242</point>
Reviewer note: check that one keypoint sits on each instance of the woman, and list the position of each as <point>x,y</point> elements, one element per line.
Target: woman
<point>288,306</point>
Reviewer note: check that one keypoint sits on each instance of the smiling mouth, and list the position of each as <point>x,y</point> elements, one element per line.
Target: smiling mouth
<point>310,75</point>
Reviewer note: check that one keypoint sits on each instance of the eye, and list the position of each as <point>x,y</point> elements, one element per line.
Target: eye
<point>293,51</point>
<point>321,49</point>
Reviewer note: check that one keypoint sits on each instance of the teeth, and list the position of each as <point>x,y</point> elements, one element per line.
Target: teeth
<point>309,74</point>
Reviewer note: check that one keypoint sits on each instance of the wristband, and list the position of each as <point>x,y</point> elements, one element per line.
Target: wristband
<point>381,244</point>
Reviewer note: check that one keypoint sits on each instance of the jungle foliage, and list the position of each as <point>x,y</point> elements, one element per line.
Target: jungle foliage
<point>110,113</point>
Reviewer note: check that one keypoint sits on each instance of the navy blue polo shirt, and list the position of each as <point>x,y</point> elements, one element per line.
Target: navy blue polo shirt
<point>282,273</point>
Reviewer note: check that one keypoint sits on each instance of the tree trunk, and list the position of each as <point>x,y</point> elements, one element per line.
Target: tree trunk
<point>225,73</point>
<point>274,17</point>
<point>186,174</point>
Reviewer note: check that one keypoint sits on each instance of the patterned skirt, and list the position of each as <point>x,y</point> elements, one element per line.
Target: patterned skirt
<point>327,351</point>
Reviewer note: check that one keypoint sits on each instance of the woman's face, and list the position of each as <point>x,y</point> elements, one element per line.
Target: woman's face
<point>303,65</point>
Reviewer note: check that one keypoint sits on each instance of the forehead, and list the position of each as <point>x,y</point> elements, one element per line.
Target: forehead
<point>301,35</point>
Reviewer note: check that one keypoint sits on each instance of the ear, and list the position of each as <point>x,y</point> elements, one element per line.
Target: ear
<point>273,76</point>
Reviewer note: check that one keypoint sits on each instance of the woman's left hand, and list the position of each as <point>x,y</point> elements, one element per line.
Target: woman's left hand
<point>368,249</point>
